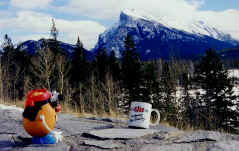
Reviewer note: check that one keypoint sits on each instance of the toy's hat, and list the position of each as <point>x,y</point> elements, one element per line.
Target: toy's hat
<point>37,95</point>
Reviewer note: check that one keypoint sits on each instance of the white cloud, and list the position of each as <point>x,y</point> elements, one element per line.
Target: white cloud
<point>107,9</point>
<point>30,4</point>
<point>94,8</point>
<point>32,25</point>
<point>31,21</point>
<point>88,31</point>
<point>5,14</point>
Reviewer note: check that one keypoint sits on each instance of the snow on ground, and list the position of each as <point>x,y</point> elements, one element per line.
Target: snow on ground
<point>233,73</point>
<point>12,107</point>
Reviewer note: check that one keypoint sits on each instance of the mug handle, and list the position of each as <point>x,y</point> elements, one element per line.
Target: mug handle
<point>157,121</point>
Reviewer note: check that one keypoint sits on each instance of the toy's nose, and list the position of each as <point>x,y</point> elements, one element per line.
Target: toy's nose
<point>58,108</point>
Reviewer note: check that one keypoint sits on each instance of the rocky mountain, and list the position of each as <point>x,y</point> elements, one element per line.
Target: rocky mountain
<point>155,38</point>
<point>31,46</point>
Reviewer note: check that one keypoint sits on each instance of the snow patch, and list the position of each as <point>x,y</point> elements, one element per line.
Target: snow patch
<point>148,51</point>
<point>12,107</point>
<point>234,73</point>
<point>139,15</point>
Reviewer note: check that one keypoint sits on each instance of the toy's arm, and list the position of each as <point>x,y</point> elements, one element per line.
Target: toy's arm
<point>42,117</point>
<point>57,135</point>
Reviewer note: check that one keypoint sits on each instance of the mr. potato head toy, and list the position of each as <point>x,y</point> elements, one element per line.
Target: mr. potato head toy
<point>39,116</point>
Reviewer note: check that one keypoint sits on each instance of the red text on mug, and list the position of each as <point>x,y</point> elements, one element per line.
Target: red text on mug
<point>138,109</point>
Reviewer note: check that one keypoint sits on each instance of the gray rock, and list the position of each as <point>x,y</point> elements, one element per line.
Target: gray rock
<point>198,136</point>
<point>6,142</point>
<point>102,144</point>
<point>125,133</point>
<point>141,141</point>
<point>66,116</point>
<point>225,146</point>
<point>163,128</point>
<point>10,112</point>
<point>54,147</point>
<point>112,120</point>
<point>79,126</point>
<point>170,147</point>
<point>12,127</point>
<point>11,120</point>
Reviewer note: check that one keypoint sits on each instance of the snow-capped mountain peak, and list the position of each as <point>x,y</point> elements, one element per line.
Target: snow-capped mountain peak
<point>199,27</point>
<point>157,38</point>
<point>138,15</point>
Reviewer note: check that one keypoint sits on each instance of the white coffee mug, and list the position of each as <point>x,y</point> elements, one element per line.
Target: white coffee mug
<point>140,115</point>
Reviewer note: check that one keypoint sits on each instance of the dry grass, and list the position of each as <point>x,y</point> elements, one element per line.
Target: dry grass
<point>164,123</point>
<point>67,108</point>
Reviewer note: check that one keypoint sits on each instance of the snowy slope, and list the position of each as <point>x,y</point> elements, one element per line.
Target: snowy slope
<point>156,38</point>
<point>194,27</point>
<point>202,28</point>
<point>13,107</point>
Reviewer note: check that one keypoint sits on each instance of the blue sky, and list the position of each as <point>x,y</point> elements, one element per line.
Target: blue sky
<point>220,5</point>
<point>31,19</point>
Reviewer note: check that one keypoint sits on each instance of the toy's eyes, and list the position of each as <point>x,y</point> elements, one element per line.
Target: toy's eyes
<point>55,99</point>
<point>54,104</point>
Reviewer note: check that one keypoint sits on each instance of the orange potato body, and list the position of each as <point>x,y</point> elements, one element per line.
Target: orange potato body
<point>36,128</point>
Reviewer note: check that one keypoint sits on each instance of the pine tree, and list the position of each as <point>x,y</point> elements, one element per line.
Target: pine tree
<point>13,63</point>
<point>131,72</point>
<point>54,44</point>
<point>187,101</point>
<point>218,99</point>
<point>114,68</point>
<point>101,65</point>
<point>22,60</point>
<point>150,82</point>
<point>54,31</point>
<point>167,104</point>
<point>8,67</point>
<point>7,42</point>
<point>80,69</point>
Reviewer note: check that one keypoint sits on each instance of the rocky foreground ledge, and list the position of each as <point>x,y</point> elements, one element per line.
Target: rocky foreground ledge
<point>97,134</point>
